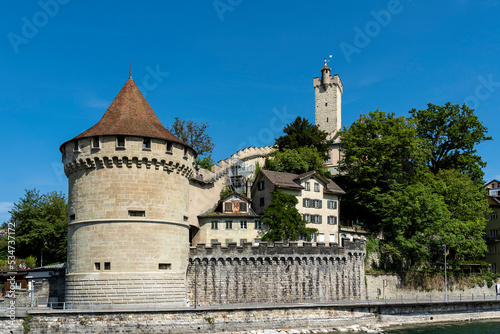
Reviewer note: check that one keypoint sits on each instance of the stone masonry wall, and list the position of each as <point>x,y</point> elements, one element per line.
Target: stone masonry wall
<point>279,273</point>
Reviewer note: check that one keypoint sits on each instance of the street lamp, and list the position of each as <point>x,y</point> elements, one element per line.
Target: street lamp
<point>445,276</point>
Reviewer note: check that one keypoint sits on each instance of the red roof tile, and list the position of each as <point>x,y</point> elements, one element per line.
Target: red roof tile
<point>130,115</point>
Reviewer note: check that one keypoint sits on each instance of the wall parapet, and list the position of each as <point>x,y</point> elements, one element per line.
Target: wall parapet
<point>355,247</point>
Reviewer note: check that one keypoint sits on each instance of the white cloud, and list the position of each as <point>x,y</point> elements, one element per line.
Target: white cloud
<point>6,206</point>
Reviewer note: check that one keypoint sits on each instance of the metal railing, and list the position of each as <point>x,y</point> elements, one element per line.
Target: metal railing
<point>257,302</point>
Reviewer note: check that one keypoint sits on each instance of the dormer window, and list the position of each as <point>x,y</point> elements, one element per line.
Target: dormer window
<point>146,143</point>
<point>96,142</point>
<point>243,206</point>
<point>228,207</point>
<point>120,141</point>
<point>316,187</point>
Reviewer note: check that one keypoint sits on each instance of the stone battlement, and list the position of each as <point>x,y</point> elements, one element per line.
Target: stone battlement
<point>98,162</point>
<point>293,249</point>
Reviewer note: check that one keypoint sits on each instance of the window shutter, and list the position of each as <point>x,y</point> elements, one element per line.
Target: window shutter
<point>334,204</point>
<point>320,204</point>
<point>320,219</point>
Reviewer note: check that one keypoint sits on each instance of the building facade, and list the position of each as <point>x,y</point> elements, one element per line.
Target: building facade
<point>493,226</point>
<point>317,199</point>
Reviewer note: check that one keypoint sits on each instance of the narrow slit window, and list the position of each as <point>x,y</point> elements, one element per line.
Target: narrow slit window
<point>137,213</point>
<point>164,266</point>
<point>120,141</point>
<point>169,147</point>
<point>95,142</point>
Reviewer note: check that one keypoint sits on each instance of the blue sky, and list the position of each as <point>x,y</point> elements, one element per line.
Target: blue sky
<point>244,67</point>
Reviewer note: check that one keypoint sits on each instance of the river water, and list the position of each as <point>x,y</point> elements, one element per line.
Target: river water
<point>475,327</point>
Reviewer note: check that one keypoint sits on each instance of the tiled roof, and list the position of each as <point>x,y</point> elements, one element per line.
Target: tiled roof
<point>287,180</point>
<point>130,115</point>
<point>283,180</point>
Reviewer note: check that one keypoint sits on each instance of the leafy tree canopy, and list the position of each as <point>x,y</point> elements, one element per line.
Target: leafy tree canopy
<point>41,226</point>
<point>418,180</point>
<point>194,135</point>
<point>205,162</point>
<point>301,133</point>
<point>297,161</point>
<point>284,220</point>
<point>451,134</point>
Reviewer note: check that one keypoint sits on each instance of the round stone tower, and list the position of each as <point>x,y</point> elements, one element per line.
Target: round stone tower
<point>128,231</point>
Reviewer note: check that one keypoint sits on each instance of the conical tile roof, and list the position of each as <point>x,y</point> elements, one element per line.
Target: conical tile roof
<point>130,115</point>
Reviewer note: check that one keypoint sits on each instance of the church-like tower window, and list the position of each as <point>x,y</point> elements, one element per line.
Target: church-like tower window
<point>146,143</point>
<point>120,141</point>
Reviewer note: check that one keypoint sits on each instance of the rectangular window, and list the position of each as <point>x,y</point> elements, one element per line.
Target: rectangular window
<point>332,204</point>
<point>146,143</point>
<point>243,206</point>
<point>107,265</point>
<point>256,242</point>
<point>120,141</point>
<point>72,218</point>
<point>228,241</point>
<point>321,237</point>
<point>228,207</point>
<point>307,218</point>
<point>494,267</point>
<point>260,185</point>
<point>243,225</point>
<point>258,224</point>
<point>307,202</point>
<point>493,233</point>
<point>136,213</point>
<point>316,219</point>
<point>261,201</point>
<point>314,237</point>
<point>169,147</point>
<point>229,225</point>
<point>493,216</point>
<point>307,186</point>
<point>316,187</point>
<point>214,241</point>
<point>317,203</point>
<point>97,265</point>
<point>215,225</point>
<point>76,146</point>
<point>242,241</point>
<point>95,142</point>
<point>332,220</point>
<point>164,266</point>
<point>332,238</point>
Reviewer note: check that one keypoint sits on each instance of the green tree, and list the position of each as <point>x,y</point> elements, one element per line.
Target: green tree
<point>301,133</point>
<point>297,161</point>
<point>284,220</point>
<point>378,153</point>
<point>451,134</point>
<point>193,134</point>
<point>41,226</point>
<point>205,162</point>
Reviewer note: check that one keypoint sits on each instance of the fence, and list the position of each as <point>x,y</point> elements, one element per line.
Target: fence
<point>235,304</point>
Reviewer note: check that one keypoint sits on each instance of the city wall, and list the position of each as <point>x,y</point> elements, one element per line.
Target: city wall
<point>203,320</point>
<point>274,274</point>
